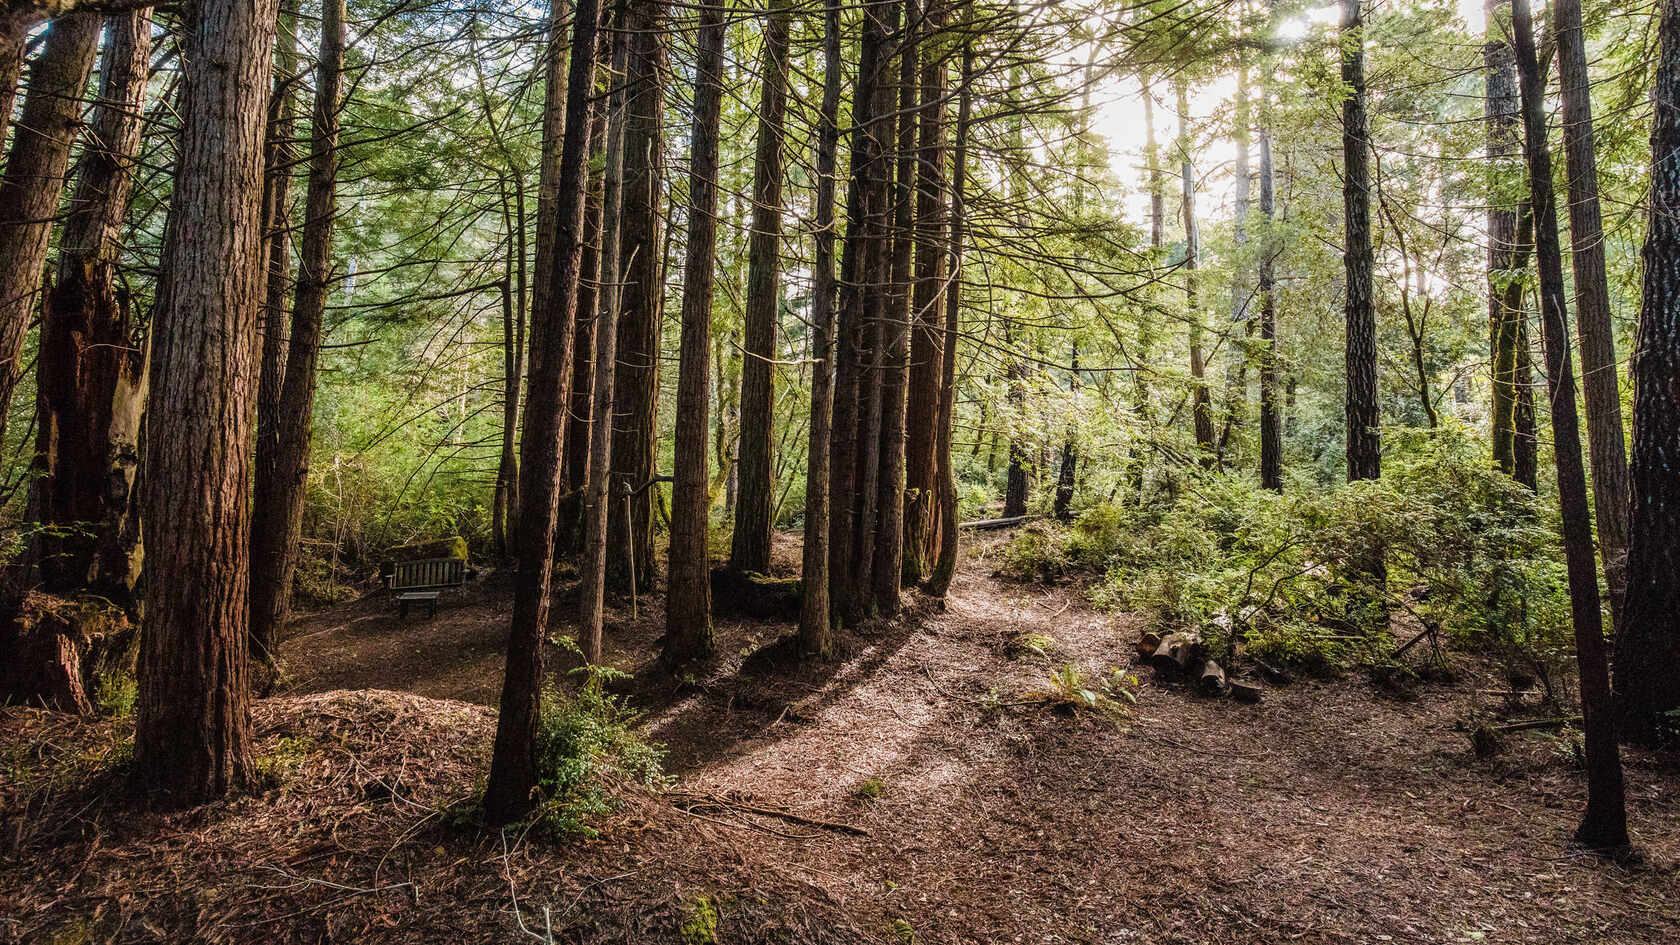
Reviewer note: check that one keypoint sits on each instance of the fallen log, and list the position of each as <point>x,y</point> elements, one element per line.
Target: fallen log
<point>1212,680</point>
<point>996,522</point>
<point>1172,656</point>
<point>1273,674</point>
<point>1148,643</point>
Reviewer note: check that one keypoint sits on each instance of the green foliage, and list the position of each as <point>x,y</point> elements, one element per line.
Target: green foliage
<point>1111,695</point>
<point>1467,552</point>
<point>700,922</point>
<point>587,743</point>
<point>117,692</point>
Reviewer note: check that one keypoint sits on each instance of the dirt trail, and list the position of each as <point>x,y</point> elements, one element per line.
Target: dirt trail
<point>1325,814</point>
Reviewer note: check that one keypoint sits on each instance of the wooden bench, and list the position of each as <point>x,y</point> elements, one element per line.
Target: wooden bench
<point>420,582</point>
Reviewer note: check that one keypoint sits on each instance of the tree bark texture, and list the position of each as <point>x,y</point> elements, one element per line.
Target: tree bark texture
<point>1604,825</point>
<point>945,564</point>
<point>1648,644</point>
<point>48,125</point>
<point>91,366</point>
<point>513,772</point>
<point>192,738</point>
<point>927,312</point>
<point>282,470</point>
<point>1363,412</point>
<point>749,547</point>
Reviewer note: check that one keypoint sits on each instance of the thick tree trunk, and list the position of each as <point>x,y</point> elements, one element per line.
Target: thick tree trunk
<point>282,471</point>
<point>688,606</point>
<point>192,738</point>
<point>749,547</point>
<point>1604,824</point>
<point>641,255</point>
<point>945,565</point>
<point>815,637</point>
<point>34,180</point>
<point>1364,443</point>
<point>1648,644</point>
<point>888,568</point>
<point>598,484</point>
<point>91,367</point>
<point>513,771</point>
<point>1600,374</point>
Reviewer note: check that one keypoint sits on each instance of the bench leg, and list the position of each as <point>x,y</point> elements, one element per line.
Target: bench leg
<point>402,610</point>
<point>431,609</point>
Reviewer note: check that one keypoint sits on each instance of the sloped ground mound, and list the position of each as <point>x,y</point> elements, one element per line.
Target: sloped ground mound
<point>357,841</point>
<point>932,799</point>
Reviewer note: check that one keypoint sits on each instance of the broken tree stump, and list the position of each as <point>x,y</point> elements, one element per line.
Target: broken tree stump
<point>1212,680</point>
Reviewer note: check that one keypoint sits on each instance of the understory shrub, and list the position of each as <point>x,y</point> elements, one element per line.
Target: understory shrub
<point>1467,551</point>
<point>587,744</point>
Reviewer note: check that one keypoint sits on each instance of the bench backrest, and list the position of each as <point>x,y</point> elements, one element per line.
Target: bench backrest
<point>428,573</point>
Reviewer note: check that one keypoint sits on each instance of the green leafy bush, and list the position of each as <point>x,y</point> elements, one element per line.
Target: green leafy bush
<point>587,744</point>
<point>1467,552</point>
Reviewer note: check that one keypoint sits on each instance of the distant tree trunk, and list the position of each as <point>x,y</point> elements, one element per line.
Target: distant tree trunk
<point>91,367</point>
<point>847,486</point>
<point>898,295</point>
<point>34,180</point>
<point>1236,371</point>
<point>278,160</point>
<point>282,470</point>
<point>513,766</point>
<point>505,503</point>
<point>597,486</point>
<point>749,547</point>
<point>1604,825</point>
<point>1202,404</point>
<point>1648,647</point>
<point>1157,235</point>
<point>688,606</point>
<point>1505,321</point>
<point>1600,373</point>
<point>1364,444</point>
<point>1271,433</point>
<point>926,343</point>
<point>574,463</point>
<point>192,732</point>
<point>945,565</point>
<point>815,637</point>
<point>641,255</point>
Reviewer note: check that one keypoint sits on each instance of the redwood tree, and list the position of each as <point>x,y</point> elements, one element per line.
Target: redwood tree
<point>1364,445</point>
<point>688,606</point>
<point>513,766</point>
<point>282,470</point>
<point>1604,825</point>
<point>1648,642</point>
<point>749,546</point>
<point>192,731</point>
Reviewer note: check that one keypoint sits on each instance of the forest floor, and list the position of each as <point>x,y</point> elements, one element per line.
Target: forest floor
<point>941,806</point>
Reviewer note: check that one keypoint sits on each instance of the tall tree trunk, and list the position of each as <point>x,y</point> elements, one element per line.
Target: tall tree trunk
<point>597,485</point>
<point>815,637</point>
<point>278,160</point>
<point>192,732</point>
<point>1604,824</point>
<point>749,547</point>
<point>688,606</point>
<point>926,343</point>
<point>1236,369</point>
<point>895,327</point>
<point>857,270</point>
<point>1501,109</point>
<point>641,300</point>
<point>282,471</point>
<point>1600,384</point>
<point>91,371</point>
<point>1648,645</point>
<point>1364,444</point>
<point>574,463</point>
<point>505,502</point>
<point>1271,432</point>
<point>1201,402</point>
<point>34,180</point>
<point>945,565</point>
<point>513,766</point>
